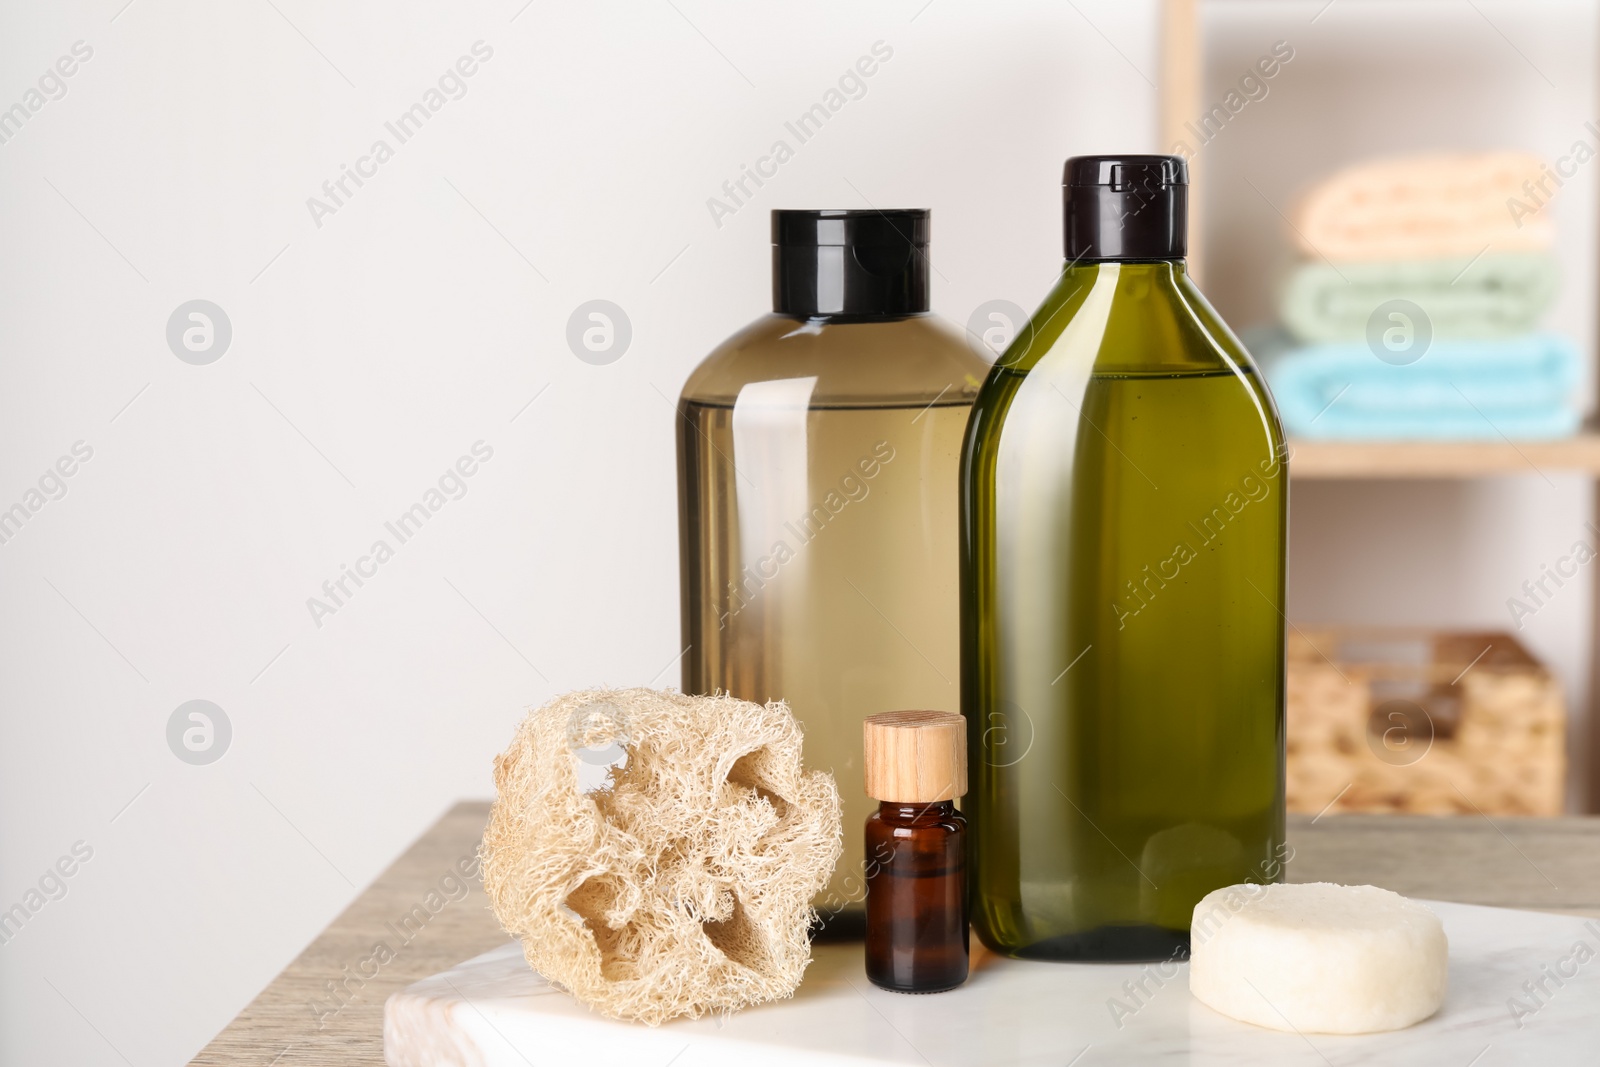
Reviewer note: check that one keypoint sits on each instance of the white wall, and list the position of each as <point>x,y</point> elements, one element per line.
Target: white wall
<point>367,355</point>
<point>1377,77</point>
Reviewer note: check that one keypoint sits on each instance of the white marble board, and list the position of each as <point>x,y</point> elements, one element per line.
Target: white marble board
<point>493,1011</point>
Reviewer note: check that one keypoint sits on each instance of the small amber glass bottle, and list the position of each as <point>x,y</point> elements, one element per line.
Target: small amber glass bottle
<point>916,765</point>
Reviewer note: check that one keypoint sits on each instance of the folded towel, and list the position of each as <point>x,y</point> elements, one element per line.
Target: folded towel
<point>1423,207</point>
<point>1496,296</point>
<point>1517,388</point>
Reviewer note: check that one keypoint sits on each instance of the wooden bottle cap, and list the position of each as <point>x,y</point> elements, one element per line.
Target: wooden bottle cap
<point>915,757</point>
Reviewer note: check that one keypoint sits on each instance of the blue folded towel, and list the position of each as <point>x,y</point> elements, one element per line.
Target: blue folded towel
<point>1518,387</point>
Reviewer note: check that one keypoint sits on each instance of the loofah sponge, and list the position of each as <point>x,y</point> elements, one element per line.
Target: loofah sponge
<point>681,883</point>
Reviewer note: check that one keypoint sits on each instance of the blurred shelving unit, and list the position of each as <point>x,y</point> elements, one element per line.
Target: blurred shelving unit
<point>1391,80</point>
<point>1443,459</point>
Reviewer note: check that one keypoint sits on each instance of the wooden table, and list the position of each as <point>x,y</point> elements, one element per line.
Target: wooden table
<point>1541,864</point>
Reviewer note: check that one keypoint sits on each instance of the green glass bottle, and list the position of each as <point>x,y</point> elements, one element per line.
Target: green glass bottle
<point>1124,505</point>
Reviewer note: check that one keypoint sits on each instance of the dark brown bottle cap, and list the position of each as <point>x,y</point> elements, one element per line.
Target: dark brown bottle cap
<point>1126,207</point>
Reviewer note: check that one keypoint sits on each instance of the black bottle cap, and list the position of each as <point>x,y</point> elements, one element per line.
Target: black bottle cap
<point>1126,207</point>
<point>850,266</point>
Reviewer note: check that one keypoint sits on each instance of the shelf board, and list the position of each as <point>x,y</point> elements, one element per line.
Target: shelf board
<point>1443,459</point>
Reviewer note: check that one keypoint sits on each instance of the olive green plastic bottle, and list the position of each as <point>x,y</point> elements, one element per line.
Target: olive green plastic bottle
<point>1124,503</point>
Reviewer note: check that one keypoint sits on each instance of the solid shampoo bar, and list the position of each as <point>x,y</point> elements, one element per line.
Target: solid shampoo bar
<point>1324,958</point>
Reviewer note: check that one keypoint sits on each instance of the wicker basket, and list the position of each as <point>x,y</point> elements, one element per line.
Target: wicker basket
<point>1422,722</point>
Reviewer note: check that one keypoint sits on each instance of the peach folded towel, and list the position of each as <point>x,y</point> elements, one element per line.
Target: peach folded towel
<point>1424,207</point>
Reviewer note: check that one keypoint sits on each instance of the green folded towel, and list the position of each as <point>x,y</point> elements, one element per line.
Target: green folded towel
<point>1498,295</point>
